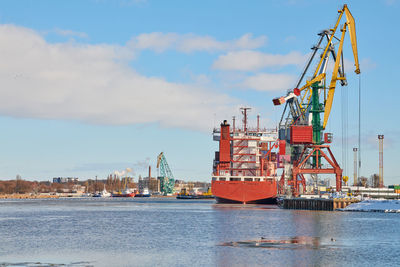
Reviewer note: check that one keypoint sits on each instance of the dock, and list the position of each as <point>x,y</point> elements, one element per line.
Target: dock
<point>317,203</point>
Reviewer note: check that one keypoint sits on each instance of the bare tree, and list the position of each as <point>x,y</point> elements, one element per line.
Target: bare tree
<point>374,180</point>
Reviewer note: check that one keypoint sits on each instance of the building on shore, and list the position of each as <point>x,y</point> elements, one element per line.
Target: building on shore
<point>196,188</point>
<point>151,183</point>
<point>64,180</point>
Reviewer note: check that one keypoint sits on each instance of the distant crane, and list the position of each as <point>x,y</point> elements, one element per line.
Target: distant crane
<point>167,181</point>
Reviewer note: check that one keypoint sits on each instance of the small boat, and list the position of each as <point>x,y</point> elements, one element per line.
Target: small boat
<point>193,197</point>
<point>145,193</point>
<point>184,195</point>
<point>103,193</point>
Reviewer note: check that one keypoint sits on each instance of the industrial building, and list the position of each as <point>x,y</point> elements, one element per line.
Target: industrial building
<point>151,183</point>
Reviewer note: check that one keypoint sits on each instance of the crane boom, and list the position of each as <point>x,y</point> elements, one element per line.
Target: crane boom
<point>352,32</point>
<point>352,27</point>
<point>300,107</point>
<point>331,91</point>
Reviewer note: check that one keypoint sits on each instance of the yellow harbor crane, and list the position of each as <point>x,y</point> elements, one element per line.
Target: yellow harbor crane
<point>319,75</point>
<point>300,124</point>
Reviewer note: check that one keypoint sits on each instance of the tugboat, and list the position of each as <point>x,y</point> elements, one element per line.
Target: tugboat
<point>124,193</point>
<point>145,193</point>
<point>184,195</point>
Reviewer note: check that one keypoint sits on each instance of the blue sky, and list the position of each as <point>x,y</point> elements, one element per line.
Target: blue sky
<point>90,87</point>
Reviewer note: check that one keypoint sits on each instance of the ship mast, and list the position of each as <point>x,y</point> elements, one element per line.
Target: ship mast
<point>244,112</point>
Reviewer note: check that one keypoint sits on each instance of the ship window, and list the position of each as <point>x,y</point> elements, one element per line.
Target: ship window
<point>214,178</point>
<point>257,179</point>
<point>234,179</point>
<point>222,179</point>
<point>248,179</point>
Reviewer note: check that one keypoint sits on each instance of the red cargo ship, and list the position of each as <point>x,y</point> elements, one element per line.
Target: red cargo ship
<point>245,167</point>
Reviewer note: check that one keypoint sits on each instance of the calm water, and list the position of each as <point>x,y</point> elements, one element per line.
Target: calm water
<point>170,232</point>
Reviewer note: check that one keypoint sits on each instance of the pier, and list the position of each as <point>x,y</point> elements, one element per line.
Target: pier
<point>317,203</point>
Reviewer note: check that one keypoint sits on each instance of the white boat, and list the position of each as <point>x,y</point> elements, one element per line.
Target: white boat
<point>103,193</point>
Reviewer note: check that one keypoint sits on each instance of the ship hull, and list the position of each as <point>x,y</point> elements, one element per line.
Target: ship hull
<point>270,201</point>
<point>142,195</point>
<point>124,195</point>
<point>246,192</point>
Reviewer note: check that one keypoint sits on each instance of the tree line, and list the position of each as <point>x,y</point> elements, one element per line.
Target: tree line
<point>20,186</point>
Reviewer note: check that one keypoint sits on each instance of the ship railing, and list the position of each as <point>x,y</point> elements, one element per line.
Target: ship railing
<point>244,178</point>
<point>250,130</point>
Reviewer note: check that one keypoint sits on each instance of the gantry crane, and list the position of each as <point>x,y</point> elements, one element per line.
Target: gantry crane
<point>167,181</point>
<point>300,124</point>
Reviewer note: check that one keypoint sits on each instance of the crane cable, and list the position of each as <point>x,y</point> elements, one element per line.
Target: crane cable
<point>359,126</point>
<point>345,121</point>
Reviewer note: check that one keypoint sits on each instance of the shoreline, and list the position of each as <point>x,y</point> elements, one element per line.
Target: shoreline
<point>43,196</point>
<point>26,196</point>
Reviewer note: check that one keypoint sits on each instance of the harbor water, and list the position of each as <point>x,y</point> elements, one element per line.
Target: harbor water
<point>170,232</point>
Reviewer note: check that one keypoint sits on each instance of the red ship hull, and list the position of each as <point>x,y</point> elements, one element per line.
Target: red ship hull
<point>254,192</point>
<point>123,195</point>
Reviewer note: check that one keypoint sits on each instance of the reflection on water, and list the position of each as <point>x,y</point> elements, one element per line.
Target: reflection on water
<point>244,207</point>
<point>298,242</point>
<point>170,232</point>
<point>42,264</point>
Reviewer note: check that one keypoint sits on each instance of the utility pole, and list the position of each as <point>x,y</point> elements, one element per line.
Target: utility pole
<point>380,138</point>
<point>95,185</point>
<point>355,166</point>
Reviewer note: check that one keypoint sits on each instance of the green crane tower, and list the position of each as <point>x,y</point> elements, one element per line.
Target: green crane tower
<point>167,181</point>
<point>316,109</point>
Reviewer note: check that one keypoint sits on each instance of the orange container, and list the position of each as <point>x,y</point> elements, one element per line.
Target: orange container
<point>301,134</point>
<point>282,147</point>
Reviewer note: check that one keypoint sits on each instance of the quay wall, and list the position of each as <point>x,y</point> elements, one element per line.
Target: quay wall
<point>317,203</point>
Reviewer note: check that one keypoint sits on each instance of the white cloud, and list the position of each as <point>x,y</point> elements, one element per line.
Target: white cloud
<point>252,60</point>
<point>156,41</point>
<point>366,64</point>
<point>390,2</point>
<point>269,82</point>
<point>94,83</point>
<point>187,43</point>
<point>70,33</point>
<point>121,2</point>
<point>290,39</point>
